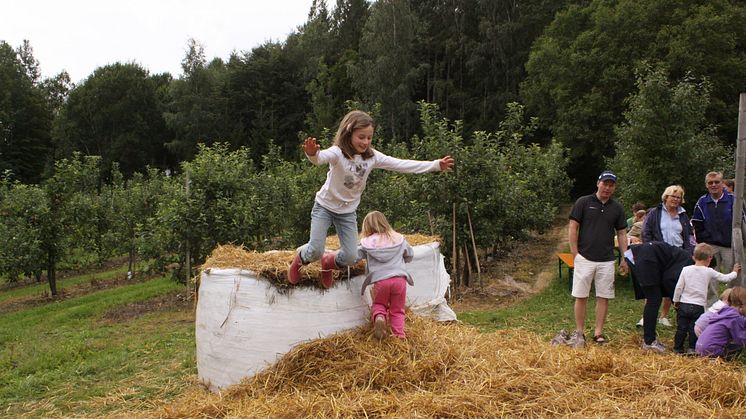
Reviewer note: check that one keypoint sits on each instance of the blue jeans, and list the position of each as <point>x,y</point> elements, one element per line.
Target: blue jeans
<point>346,226</point>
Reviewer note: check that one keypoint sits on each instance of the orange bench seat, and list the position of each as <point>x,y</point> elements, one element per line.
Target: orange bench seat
<point>569,261</point>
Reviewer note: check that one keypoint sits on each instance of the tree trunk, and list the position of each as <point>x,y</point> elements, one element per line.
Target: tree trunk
<point>52,272</point>
<point>467,266</point>
<point>131,263</point>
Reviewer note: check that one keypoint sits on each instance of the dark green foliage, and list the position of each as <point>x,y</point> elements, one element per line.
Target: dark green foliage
<point>666,140</point>
<point>23,210</point>
<point>197,109</point>
<point>116,114</point>
<point>508,188</point>
<point>582,68</point>
<point>25,116</point>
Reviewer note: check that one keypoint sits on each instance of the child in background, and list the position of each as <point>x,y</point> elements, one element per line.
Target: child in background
<point>637,222</point>
<point>704,320</point>
<point>636,208</point>
<point>730,185</point>
<point>726,334</point>
<point>690,294</point>
<point>386,252</point>
<point>350,159</point>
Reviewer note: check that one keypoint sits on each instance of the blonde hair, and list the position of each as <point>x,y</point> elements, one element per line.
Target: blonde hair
<point>725,294</point>
<point>703,251</point>
<point>737,297</point>
<point>350,122</point>
<point>671,190</point>
<point>375,222</point>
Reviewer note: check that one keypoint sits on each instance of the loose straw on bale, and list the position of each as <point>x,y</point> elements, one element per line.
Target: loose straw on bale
<point>451,370</point>
<point>273,265</point>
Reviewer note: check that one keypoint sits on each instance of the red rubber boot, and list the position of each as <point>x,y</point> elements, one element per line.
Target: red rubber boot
<point>294,268</point>
<point>328,265</point>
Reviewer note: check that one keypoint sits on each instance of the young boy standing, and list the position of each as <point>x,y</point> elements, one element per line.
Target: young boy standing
<point>690,294</point>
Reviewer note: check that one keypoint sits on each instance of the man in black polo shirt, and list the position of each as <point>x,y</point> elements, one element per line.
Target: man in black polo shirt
<point>594,220</point>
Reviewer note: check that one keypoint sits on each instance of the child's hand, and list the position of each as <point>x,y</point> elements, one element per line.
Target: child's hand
<point>736,267</point>
<point>676,305</point>
<point>446,164</point>
<point>311,147</point>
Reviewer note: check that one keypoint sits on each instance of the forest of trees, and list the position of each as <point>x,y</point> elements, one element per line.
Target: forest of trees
<point>591,83</point>
<point>573,63</point>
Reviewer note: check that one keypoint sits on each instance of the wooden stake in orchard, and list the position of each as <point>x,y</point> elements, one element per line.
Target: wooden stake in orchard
<point>737,224</point>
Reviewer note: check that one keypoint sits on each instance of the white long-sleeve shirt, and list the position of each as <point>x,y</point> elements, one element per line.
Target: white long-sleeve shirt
<point>693,282</point>
<point>346,179</point>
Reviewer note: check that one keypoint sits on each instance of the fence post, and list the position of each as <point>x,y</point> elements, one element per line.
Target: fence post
<point>737,224</point>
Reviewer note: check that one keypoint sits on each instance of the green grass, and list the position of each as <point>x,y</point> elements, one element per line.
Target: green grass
<point>552,309</point>
<point>63,357</point>
<point>42,288</point>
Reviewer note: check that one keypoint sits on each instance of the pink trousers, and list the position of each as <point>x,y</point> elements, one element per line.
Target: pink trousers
<point>389,297</point>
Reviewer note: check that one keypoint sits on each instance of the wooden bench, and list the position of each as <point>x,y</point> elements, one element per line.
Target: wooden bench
<point>567,259</point>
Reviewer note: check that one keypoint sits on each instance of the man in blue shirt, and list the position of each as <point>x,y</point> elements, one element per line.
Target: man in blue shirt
<point>712,221</point>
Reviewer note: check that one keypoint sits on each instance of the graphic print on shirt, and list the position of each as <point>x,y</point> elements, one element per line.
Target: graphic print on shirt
<point>358,169</point>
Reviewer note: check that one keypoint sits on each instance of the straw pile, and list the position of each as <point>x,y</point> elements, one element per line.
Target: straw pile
<point>273,265</point>
<point>451,370</point>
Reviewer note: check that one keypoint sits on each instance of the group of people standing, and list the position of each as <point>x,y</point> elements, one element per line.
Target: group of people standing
<point>663,242</point>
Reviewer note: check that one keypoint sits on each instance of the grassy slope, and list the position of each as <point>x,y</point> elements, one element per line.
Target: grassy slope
<point>64,357</point>
<point>552,309</point>
<point>42,288</point>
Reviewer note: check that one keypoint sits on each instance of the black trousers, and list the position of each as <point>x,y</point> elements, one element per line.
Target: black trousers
<point>653,299</point>
<point>686,316</point>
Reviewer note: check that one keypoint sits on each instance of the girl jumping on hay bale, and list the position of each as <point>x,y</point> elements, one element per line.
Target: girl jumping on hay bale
<point>350,159</point>
<point>386,252</point>
<point>725,336</point>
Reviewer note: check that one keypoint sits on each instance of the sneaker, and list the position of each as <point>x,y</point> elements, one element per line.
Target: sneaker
<point>664,321</point>
<point>655,346</point>
<point>379,327</point>
<point>641,323</point>
<point>577,340</point>
<point>328,264</point>
<point>294,268</point>
<point>562,338</point>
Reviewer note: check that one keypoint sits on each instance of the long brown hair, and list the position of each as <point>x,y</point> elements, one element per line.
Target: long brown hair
<point>352,121</point>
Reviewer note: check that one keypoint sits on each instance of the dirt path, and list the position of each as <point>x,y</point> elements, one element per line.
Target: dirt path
<point>526,270</point>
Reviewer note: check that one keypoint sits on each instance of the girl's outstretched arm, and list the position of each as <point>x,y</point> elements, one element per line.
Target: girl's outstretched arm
<point>446,164</point>
<point>310,146</point>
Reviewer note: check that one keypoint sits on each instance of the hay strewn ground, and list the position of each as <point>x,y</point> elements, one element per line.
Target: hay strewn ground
<point>451,370</point>
<point>273,265</point>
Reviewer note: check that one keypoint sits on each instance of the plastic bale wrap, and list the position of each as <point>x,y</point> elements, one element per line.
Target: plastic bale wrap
<point>244,324</point>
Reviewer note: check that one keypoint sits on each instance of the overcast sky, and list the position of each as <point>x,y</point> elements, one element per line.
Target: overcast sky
<point>82,35</point>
